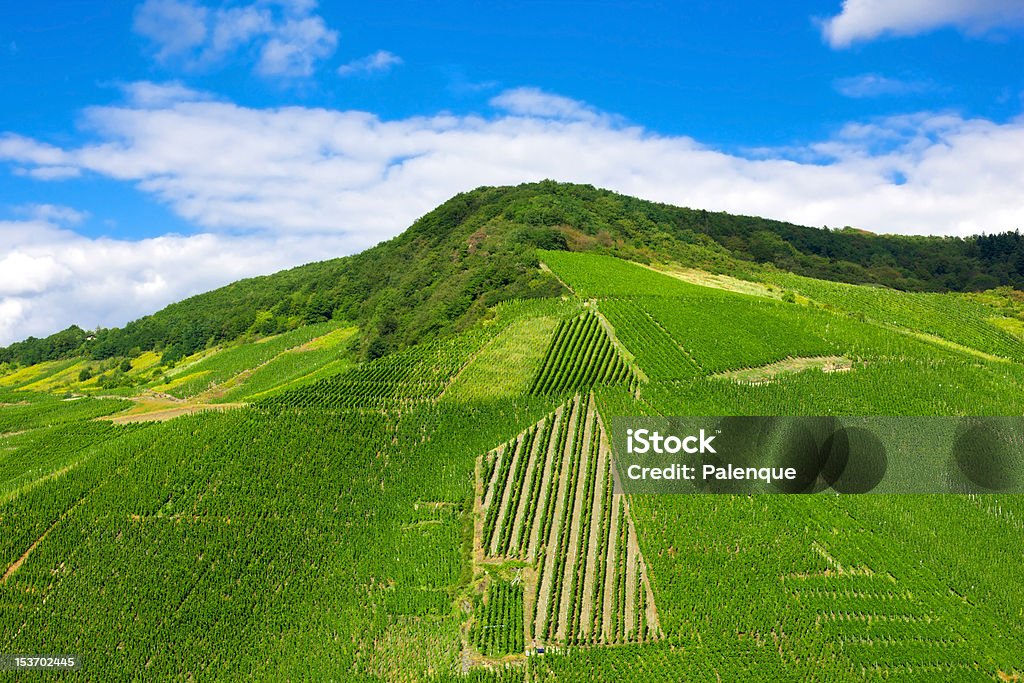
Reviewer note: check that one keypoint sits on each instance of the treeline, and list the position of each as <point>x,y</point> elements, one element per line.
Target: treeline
<point>634,228</point>
<point>478,249</point>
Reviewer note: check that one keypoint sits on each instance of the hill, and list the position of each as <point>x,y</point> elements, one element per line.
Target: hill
<point>444,511</point>
<point>475,250</point>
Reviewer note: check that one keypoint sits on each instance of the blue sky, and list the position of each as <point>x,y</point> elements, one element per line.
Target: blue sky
<point>152,150</point>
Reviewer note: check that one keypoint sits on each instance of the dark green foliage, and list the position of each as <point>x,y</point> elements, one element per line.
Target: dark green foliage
<point>63,344</point>
<point>172,354</point>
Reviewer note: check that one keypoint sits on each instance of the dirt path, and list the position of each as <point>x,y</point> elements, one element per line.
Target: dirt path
<point>481,511</point>
<point>169,413</point>
<point>653,623</point>
<point>487,492</point>
<point>544,267</point>
<point>765,373</point>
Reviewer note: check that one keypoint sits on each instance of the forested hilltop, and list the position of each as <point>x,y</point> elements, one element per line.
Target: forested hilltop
<point>478,248</point>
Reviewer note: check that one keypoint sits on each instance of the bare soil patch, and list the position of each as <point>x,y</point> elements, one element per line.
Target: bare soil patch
<point>717,281</point>
<point>765,373</point>
<point>162,415</point>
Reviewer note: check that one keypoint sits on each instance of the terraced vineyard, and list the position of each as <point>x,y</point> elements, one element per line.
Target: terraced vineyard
<point>547,499</point>
<point>678,330</point>
<point>580,356</point>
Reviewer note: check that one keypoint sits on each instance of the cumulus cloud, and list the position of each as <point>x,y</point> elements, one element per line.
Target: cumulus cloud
<point>303,184</point>
<point>149,94</point>
<point>174,27</point>
<point>62,215</point>
<point>861,20</point>
<point>536,102</point>
<point>877,85</point>
<point>379,62</point>
<point>283,37</point>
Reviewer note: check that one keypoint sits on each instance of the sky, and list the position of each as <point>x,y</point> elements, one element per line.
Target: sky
<point>153,150</point>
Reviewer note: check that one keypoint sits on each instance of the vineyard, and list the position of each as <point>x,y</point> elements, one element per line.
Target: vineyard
<point>656,352</point>
<point>580,356</point>
<point>881,387</point>
<point>592,276</point>
<point>520,346</point>
<point>227,364</point>
<point>245,534</point>
<point>547,499</point>
<point>447,511</point>
<point>499,627</point>
<point>949,316</point>
<point>676,329</point>
<point>408,377</point>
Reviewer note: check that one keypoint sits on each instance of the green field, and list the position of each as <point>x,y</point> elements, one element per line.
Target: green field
<point>439,512</point>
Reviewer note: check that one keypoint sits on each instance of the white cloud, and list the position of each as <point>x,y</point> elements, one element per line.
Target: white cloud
<point>378,62</point>
<point>175,27</point>
<point>305,184</point>
<point>877,85</point>
<point>149,94</point>
<point>861,20</point>
<point>284,37</point>
<point>296,46</point>
<point>31,152</point>
<point>53,213</point>
<point>49,172</point>
<point>21,273</point>
<point>536,102</point>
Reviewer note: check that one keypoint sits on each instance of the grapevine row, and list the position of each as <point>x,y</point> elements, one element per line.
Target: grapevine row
<point>556,480</point>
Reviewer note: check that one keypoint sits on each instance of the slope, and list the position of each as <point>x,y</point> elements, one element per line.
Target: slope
<point>476,249</point>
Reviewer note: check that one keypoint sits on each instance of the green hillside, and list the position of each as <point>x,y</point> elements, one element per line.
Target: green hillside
<point>477,249</point>
<point>361,507</point>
